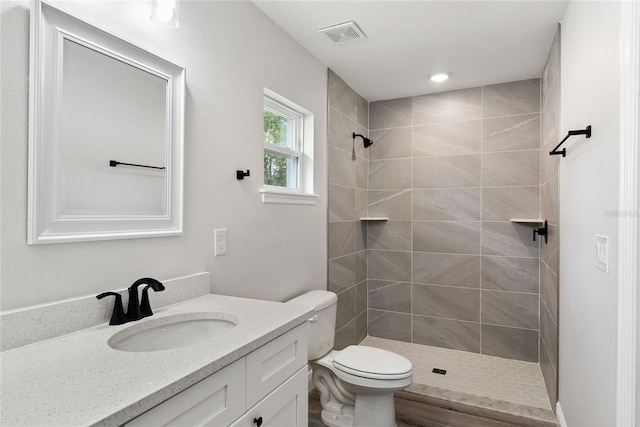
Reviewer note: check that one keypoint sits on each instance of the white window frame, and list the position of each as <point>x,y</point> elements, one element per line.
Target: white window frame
<point>302,150</point>
<point>296,135</point>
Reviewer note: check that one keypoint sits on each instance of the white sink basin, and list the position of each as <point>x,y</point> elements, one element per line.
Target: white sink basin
<point>171,332</point>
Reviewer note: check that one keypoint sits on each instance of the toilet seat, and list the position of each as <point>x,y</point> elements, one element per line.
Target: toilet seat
<point>373,363</point>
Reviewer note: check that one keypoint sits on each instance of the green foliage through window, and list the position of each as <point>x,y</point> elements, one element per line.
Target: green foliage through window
<point>275,170</point>
<point>277,167</point>
<point>275,128</point>
<point>282,128</point>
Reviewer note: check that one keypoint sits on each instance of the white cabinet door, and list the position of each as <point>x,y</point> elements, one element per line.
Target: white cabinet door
<point>215,401</point>
<point>270,365</point>
<point>286,406</point>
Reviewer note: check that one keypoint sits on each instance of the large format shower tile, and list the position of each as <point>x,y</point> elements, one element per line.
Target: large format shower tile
<point>447,204</point>
<point>510,274</point>
<point>508,99</point>
<point>511,133</point>
<point>447,139</point>
<point>391,113</point>
<point>444,107</point>
<point>390,143</point>
<point>446,269</point>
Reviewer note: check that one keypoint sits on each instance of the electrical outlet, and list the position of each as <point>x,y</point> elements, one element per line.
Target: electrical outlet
<point>220,236</point>
<point>602,253</point>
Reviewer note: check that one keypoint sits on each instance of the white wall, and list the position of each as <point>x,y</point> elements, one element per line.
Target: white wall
<point>588,189</point>
<point>231,52</point>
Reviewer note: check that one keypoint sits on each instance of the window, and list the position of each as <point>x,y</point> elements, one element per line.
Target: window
<point>288,152</point>
<point>283,143</point>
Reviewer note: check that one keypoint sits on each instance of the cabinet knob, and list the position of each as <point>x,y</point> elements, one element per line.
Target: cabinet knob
<point>257,421</point>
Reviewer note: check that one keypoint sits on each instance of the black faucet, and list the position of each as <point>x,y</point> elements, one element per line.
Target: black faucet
<point>135,310</point>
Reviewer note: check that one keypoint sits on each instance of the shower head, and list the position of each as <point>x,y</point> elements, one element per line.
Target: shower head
<point>367,142</point>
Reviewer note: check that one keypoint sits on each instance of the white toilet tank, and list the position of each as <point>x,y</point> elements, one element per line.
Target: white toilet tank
<point>322,326</point>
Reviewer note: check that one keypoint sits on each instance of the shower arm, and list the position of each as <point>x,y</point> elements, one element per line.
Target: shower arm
<point>366,141</point>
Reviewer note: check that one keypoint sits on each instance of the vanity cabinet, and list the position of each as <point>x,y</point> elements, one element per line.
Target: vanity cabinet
<point>268,386</point>
<point>287,405</point>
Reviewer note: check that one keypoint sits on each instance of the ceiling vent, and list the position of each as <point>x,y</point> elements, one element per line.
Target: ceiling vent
<point>344,33</point>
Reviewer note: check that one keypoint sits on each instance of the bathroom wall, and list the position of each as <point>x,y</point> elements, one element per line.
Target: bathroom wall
<point>348,166</point>
<point>450,170</point>
<point>588,194</point>
<point>274,251</point>
<point>550,116</point>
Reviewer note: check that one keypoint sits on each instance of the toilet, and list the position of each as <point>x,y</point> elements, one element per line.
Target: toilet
<point>356,384</point>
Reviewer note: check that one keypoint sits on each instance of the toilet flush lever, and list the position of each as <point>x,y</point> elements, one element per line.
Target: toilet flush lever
<point>313,319</point>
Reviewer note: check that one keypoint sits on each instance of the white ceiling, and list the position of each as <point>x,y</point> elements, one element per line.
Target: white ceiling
<point>480,42</point>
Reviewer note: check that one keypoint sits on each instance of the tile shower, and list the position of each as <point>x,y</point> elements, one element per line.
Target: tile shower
<point>550,94</point>
<point>449,269</point>
<point>449,170</point>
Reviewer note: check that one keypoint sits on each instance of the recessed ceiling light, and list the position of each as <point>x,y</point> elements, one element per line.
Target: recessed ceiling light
<point>439,77</point>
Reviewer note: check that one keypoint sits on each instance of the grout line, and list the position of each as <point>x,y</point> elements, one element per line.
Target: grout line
<point>532,113</point>
<point>457,320</point>
<point>481,210</point>
<point>462,287</point>
<point>411,337</point>
<point>471,187</point>
<point>452,253</point>
<point>366,225</point>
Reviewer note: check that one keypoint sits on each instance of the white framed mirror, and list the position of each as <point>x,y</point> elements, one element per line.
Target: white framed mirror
<point>105,135</point>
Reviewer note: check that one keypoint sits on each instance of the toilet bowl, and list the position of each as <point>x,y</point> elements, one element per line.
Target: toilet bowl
<point>356,384</point>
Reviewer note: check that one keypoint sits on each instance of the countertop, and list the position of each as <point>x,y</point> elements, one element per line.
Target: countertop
<point>78,380</point>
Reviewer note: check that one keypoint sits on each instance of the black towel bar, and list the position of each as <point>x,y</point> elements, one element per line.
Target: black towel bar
<point>563,152</point>
<point>114,163</point>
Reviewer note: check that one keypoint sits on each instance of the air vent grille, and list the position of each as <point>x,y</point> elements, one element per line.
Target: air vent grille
<point>343,33</point>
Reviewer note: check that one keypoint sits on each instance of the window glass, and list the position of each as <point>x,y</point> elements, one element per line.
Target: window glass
<point>282,144</point>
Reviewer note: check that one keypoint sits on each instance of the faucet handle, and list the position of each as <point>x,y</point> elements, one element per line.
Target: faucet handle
<point>117,317</point>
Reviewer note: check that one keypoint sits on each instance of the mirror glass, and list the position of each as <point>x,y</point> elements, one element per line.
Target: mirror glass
<point>111,111</point>
<point>106,135</point>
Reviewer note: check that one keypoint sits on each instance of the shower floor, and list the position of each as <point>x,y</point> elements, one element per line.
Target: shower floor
<point>486,383</point>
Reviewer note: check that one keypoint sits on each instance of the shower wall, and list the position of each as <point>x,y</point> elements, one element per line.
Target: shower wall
<point>348,172</point>
<point>550,84</point>
<point>449,268</point>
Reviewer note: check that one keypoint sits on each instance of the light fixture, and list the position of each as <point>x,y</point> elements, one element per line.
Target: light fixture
<point>165,13</point>
<point>439,77</point>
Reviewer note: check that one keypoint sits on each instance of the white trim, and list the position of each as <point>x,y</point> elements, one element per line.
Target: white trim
<point>560,416</point>
<point>283,197</point>
<point>299,178</point>
<point>628,209</point>
<point>46,223</point>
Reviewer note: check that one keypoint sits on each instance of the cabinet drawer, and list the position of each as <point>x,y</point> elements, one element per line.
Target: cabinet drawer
<point>287,406</point>
<point>216,400</point>
<point>270,365</point>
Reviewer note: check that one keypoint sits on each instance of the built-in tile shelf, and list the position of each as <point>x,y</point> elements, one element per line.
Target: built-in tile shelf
<point>374,218</point>
<point>527,220</point>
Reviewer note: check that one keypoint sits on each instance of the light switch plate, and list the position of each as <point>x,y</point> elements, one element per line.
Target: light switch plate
<point>602,253</point>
